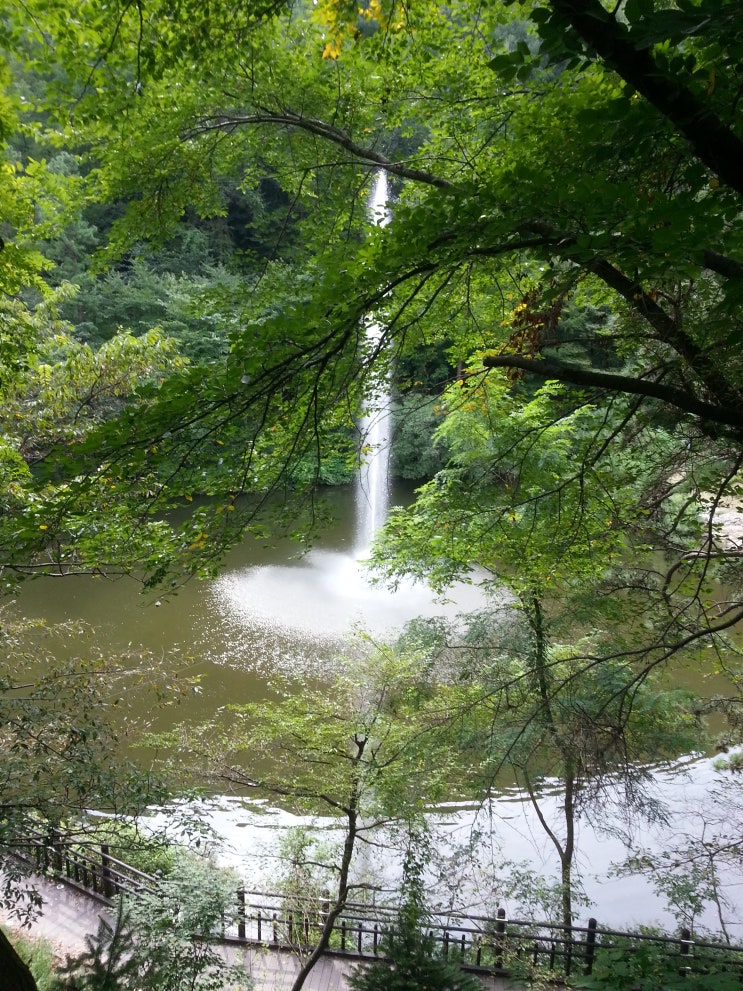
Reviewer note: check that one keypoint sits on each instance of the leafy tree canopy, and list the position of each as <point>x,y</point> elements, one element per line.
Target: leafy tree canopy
<point>573,156</point>
<point>537,161</point>
<point>544,158</point>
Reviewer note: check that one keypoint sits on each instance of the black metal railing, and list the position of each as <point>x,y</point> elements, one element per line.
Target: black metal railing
<point>89,867</point>
<point>494,944</point>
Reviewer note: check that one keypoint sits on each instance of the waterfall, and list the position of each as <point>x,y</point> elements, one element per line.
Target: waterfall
<point>372,483</point>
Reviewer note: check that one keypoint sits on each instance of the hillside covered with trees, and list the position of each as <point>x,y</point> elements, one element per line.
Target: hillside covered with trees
<point>187,267</point>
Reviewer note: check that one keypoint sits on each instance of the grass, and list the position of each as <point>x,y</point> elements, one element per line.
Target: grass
<point>39,956</point>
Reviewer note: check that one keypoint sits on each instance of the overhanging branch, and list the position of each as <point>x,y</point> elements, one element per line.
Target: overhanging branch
<point>574,375</point>
<point>713,142</point>
<point>668,329</point>
<point>321,129</point>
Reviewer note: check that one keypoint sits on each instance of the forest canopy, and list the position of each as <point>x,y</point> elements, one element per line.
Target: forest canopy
<point>566,209</point>
<point>188,267</point>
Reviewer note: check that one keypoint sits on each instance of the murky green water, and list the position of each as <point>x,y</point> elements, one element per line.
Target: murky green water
<point>271,610</point>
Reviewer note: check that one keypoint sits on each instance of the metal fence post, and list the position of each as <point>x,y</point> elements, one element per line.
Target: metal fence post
<point>107,882</point>
<point>241,914</point>
<point>686,950</point>
<point>590,946</point>
<point>500,932</point>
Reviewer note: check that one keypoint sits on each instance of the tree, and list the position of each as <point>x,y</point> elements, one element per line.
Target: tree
<point>55,392</point>
<point>62,701</point>
<point>410,958</point>
<point>354,750</point>
<point>521,507</point>
<point>575,738</point>
<point>163,941</point>
<point>537,497</point>
<point>703,864</point>
<point>64,721</point>
<point>68,387</point>
<point>586,168</point>
<point>16,970</point>
<point>586,735</point>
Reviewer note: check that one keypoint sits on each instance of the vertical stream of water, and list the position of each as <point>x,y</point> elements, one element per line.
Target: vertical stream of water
<point>372,483</point>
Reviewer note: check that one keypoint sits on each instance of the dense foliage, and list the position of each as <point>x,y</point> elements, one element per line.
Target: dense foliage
<point>539,170</point>
<point>560,290</point>
<point>164,941</point>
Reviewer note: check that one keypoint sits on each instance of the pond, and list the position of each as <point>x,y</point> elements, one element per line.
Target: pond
<point>271,611</point>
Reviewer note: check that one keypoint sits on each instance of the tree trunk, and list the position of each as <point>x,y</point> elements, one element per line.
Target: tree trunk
<point>352,816</point>
<point>566,849</point>
<point>540,658</point>
<point>566,857</point>
<point>15,973</point>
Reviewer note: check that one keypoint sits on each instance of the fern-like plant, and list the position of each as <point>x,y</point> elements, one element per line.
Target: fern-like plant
<point>109,961</point>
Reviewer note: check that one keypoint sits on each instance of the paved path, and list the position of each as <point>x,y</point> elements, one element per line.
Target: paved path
<point>66,920</point>
<point>69,916</point>
<point>273,970</point>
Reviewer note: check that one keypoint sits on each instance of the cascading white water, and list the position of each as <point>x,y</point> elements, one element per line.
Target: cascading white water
<point>289,606</point>
<point>372,483</point>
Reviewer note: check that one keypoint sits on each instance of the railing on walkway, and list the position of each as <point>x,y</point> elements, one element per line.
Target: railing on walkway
<point>497,945</point>
<point>89,867</point>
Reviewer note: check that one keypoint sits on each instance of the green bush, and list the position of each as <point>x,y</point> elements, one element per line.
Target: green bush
<point>149,854</point>
<point>164,942</point>
<point>639,965</point>
<point>411,962</point>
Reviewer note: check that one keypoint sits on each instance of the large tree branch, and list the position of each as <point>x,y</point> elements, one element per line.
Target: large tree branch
<point>575,375</point>
<point>535,234</point>
<point>706,367</point>
<point>727,267</point>
<point>716,145</point>
<point>666,327</point>
<point>321,129</point>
